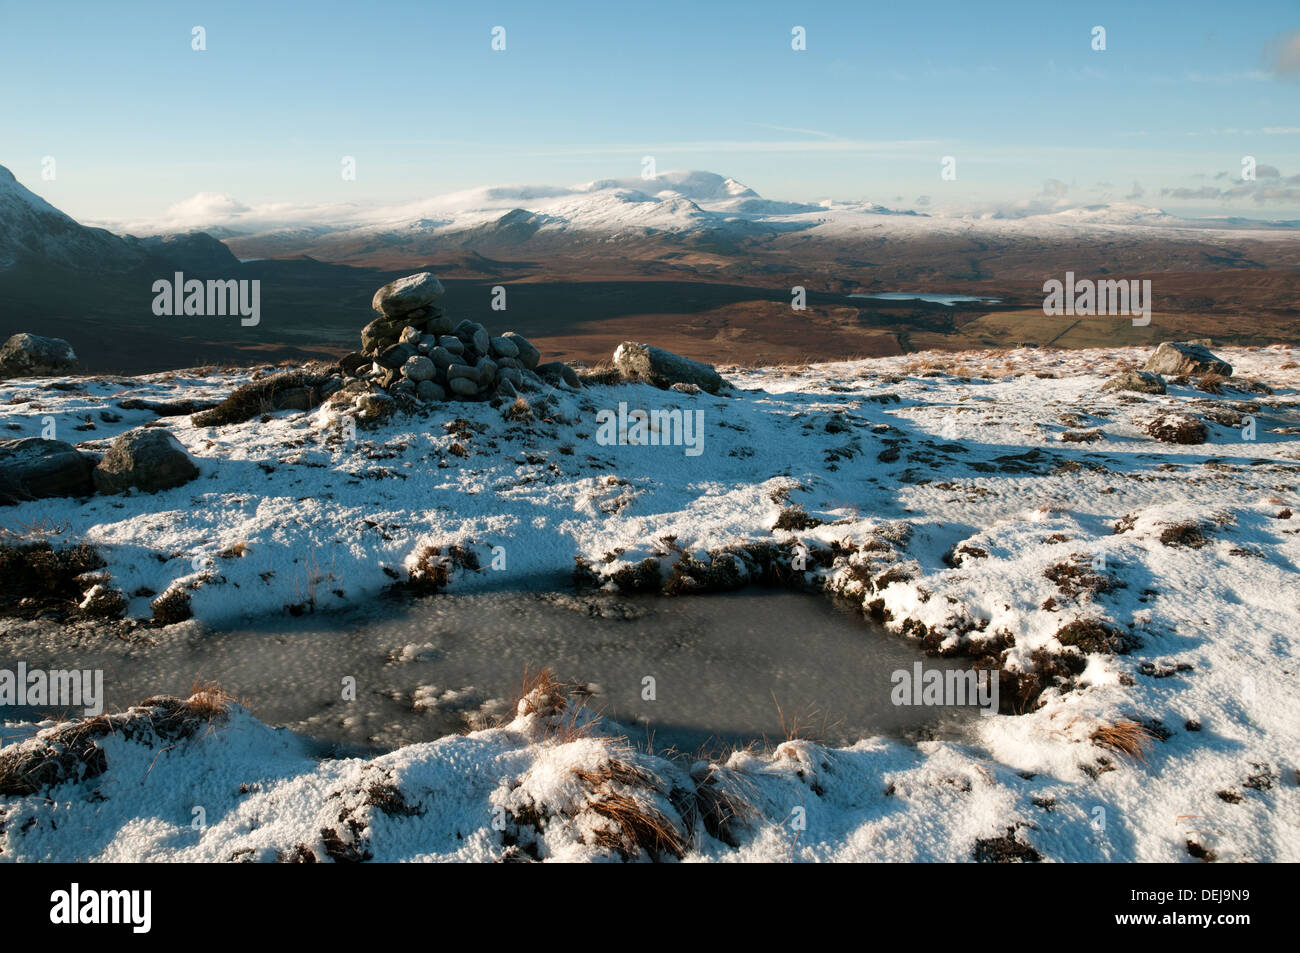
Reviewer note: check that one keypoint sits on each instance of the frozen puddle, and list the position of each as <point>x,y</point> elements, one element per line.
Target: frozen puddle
<point>720,666</point>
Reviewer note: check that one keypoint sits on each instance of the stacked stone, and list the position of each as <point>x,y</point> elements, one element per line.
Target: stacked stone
<point>414,352</point>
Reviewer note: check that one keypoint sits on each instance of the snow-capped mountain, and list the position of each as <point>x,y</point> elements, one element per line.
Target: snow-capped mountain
<point>675,206</point>
<point>33,229</point>
<point>35,232</point>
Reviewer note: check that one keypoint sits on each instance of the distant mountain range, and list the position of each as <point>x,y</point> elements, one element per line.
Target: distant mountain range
<point>688,208</point>
<point>691,260</point>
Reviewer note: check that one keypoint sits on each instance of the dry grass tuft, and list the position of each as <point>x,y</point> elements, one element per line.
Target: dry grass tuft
<point>1126,737</point>
<point>1212,383</point>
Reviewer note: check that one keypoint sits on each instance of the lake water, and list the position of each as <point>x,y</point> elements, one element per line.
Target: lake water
<point>926,296</point>
<point>726,669</point>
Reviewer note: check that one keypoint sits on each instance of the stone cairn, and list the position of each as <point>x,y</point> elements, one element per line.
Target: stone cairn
<point>414,354</point>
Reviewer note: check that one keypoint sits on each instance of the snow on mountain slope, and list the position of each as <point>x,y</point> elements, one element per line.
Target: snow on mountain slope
<point>670,203</point>
<point>31,228</point>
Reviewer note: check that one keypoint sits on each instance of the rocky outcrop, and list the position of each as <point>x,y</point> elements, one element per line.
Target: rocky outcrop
<point>1188,358</point>
<point>145,460</point>
<point>30,355</point>
<point>34,468</point>
<point>663,368</point>
<point>1142,382</point>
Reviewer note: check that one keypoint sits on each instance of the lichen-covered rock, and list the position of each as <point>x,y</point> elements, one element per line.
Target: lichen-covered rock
<point>1143,382</point>
<point>664,368</point>
<point>1187,358</point>
<point>145,460</point>
<point>407,294</point>
<point>34,468</point>
<point>30,355</point>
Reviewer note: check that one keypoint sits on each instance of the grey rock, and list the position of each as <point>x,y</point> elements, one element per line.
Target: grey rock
<point>527,354</point>
<point>429,392</point>
<point>487,371</point>
<point>352,364</point>
<point>381,333</point>
<point>452,343</point>
<point>1143,382</point>
<point>146,460</point>
<point>664,368</point>
<point>557,372</point>
<point>1187,358</point>
<point>474,335</point>
<point>503,347</point>
<point>407,294</point>
<point>410,336</point>
<point>395,356</point>
<point>30,355</point>
<point>443,358</point>
<point>34,468</point>
<point>464,386</point>
<point>507,389</point>
<point>418,369</point>
<point>463,372</point>
<point>513,375</point>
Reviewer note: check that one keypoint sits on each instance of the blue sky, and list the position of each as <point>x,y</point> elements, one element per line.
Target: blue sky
<point>137,120</point>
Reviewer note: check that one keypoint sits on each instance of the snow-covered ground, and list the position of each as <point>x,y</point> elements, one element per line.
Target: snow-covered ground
<point>949,503</point>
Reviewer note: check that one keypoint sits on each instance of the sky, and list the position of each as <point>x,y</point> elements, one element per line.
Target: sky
<point>136,120</point>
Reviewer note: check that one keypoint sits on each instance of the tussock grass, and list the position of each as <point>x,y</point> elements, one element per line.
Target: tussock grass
<point>1126,737</point>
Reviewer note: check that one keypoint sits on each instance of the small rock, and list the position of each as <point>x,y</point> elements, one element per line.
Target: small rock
<point>410,336</point>
<point>1144,382</point>
<point>429,392</point>
<point>395,356</point>
<point>452,343</point>
<point>30,355</point>
<point>146,460</point>
<point>419,369</point>
<point>559,372</point>
<point>462,372</point>
<point>503,347</point>
<point>352,364</point>
<point>526,353</point>
<point>464,386</point>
